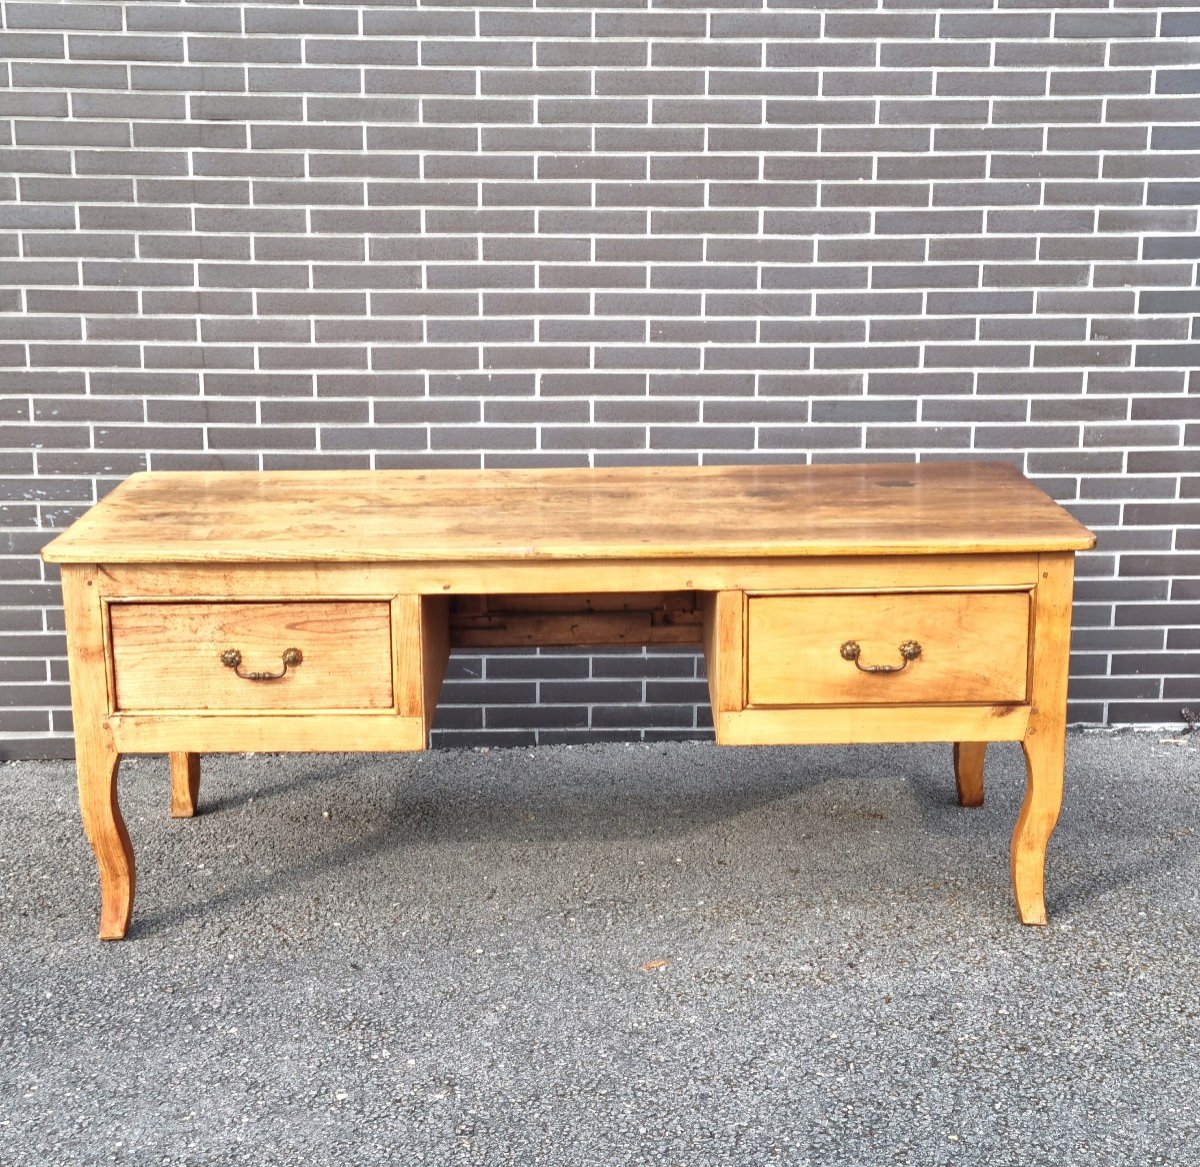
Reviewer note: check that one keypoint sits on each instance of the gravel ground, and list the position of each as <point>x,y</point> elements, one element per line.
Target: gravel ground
<point>604,955</point>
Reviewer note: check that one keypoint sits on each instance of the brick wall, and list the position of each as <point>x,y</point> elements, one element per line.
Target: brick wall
<point>344,235</point>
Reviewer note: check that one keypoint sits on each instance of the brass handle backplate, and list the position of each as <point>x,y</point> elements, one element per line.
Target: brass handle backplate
<point>232,659</point>
<point>909,650</point>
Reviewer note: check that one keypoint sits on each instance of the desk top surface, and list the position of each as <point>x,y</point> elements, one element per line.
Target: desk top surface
<point>677,512</point>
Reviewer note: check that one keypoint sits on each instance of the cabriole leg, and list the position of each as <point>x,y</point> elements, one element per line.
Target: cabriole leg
<point>96,757</point>
<point>1045,743</point>
<point>97,768</point>
<point>1045,757</point>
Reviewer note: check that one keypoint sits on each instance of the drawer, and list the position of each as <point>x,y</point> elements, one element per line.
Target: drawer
<point>974,648</point>
<point>187,656</point>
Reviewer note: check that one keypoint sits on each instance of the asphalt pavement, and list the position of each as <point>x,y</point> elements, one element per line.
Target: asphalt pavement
<point>610,954</point>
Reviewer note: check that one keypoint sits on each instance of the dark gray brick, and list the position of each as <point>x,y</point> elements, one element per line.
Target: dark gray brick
<point>310,80</point>
<point>291,20</point>
<point>1156,109</point>
<point>650,24</point>
<point>1105,82</point>
<point>1173,193</point>
<point>1137,219</point>
<point>875,357</point>
<point>1105,25</point>
<point>1167,355</point>
<point>337,109</point>
<point>243,50</point>
<point>87,47</point>
<point>875,194</point>
<point>1049,112</point>
<point>31,45</point>
<point>1181,24</point>
<point>593,54</point>
<point>881,25</point>
<point>57,74</point>
<point>1146,166</point>
<point>819,112</point>
<point>643,356</point>
<point>754,83</point>
<point>998,83</point>
<point>1183,302</point>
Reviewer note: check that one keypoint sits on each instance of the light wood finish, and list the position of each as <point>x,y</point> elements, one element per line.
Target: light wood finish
<point>408,677</point>
<point>375,576</point>
<point>302,581</point>
<point>435,651</point>
<point>834,725</point>
<point>96,757</point>
<point>421,648</point>
<point>1045,742</point>
<point>679,513</point>
<point>973,648</point>
<point>236,733</point>
<point>725,650</point>
<point>968,772</point>
<point>185,784</point>
<point>168,656</point>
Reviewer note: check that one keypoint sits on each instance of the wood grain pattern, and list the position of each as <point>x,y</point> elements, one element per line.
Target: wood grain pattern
<point>420,650</point>
<point>974,648</point>
<point>302,581</point>
<point>408,680</point>
<point>435,651</point>
<point>968,772</point>
<point>168,656</point>
<point>185,784</point>
<point>838,725</point>
<point>96,756</point>
<point>281,732</point>
<point>1045,743</point>
<point>634,513</point>
<point>774,567</point>
<point>724,649</point>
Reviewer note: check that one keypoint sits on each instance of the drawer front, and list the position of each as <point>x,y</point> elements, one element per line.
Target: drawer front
<point>974,647</point>
<point>182,656</point>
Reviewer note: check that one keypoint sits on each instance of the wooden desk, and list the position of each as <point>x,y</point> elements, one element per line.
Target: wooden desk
<point>315,611</point>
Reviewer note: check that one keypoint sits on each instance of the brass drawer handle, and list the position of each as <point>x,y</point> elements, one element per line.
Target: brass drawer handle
<point>909,650</point>
<point>232,659</point>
